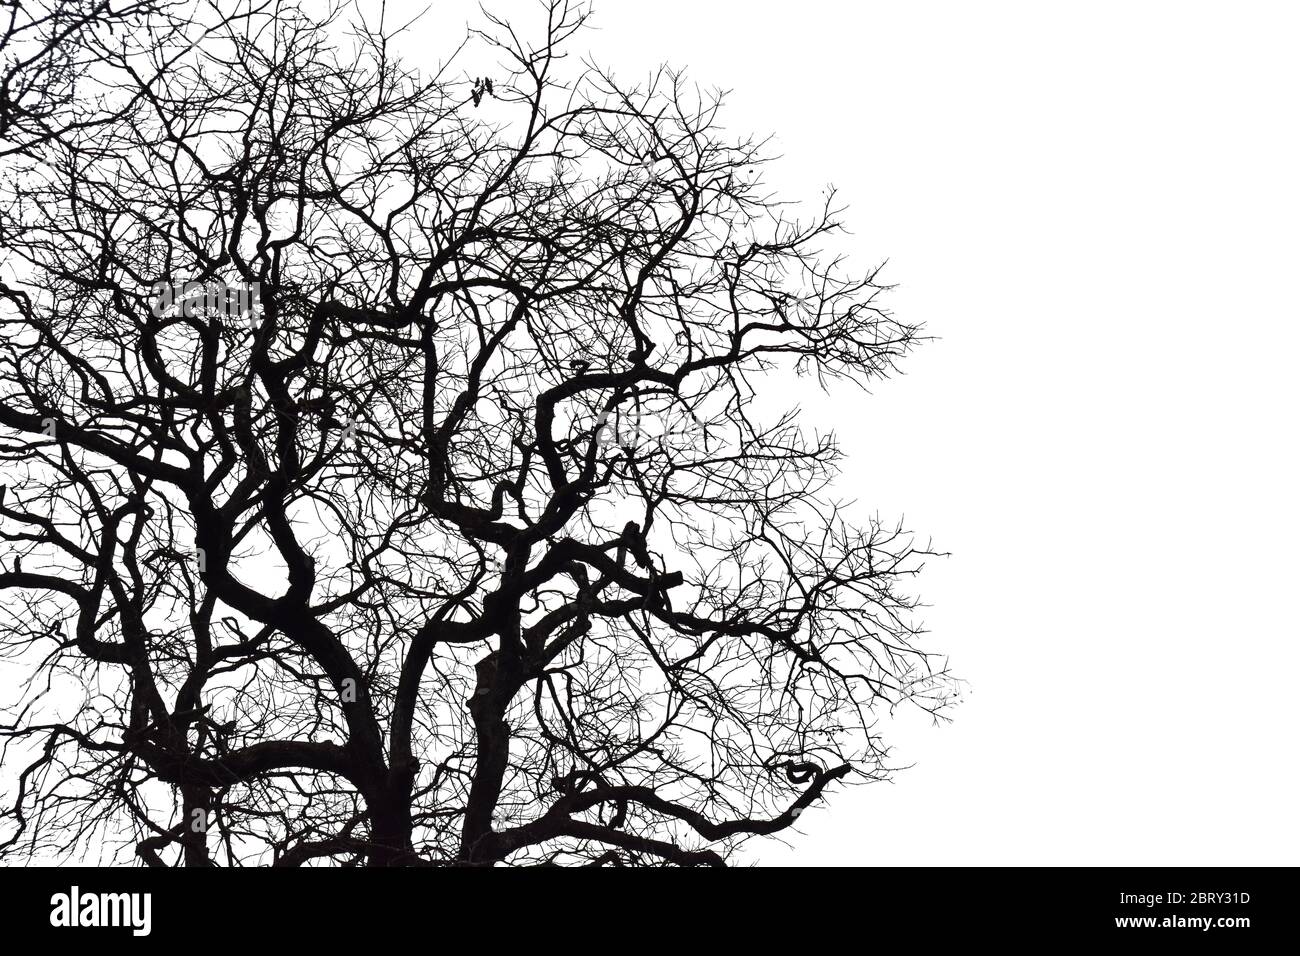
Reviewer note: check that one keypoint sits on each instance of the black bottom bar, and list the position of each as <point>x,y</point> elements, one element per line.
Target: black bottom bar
<point>337,907</point>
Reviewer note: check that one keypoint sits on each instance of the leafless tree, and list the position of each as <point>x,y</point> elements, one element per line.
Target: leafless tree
<point>47,48</point>
<point>388,475</point>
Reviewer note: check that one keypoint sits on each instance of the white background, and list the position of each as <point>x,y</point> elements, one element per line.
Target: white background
<point>1094,206</point>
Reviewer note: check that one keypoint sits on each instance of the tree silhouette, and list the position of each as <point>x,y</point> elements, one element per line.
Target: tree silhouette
<point>388,476</point>
<point>46,47</point>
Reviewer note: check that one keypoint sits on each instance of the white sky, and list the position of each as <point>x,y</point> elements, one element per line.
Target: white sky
<point>1095,207</point>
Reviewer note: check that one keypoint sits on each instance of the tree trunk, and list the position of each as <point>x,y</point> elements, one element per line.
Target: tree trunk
<point>390,828</point>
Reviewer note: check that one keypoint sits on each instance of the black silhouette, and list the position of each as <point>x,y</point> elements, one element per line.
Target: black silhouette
<point>476,541</point>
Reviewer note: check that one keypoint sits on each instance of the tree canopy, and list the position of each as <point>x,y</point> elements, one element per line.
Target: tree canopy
<point>389,469</point>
